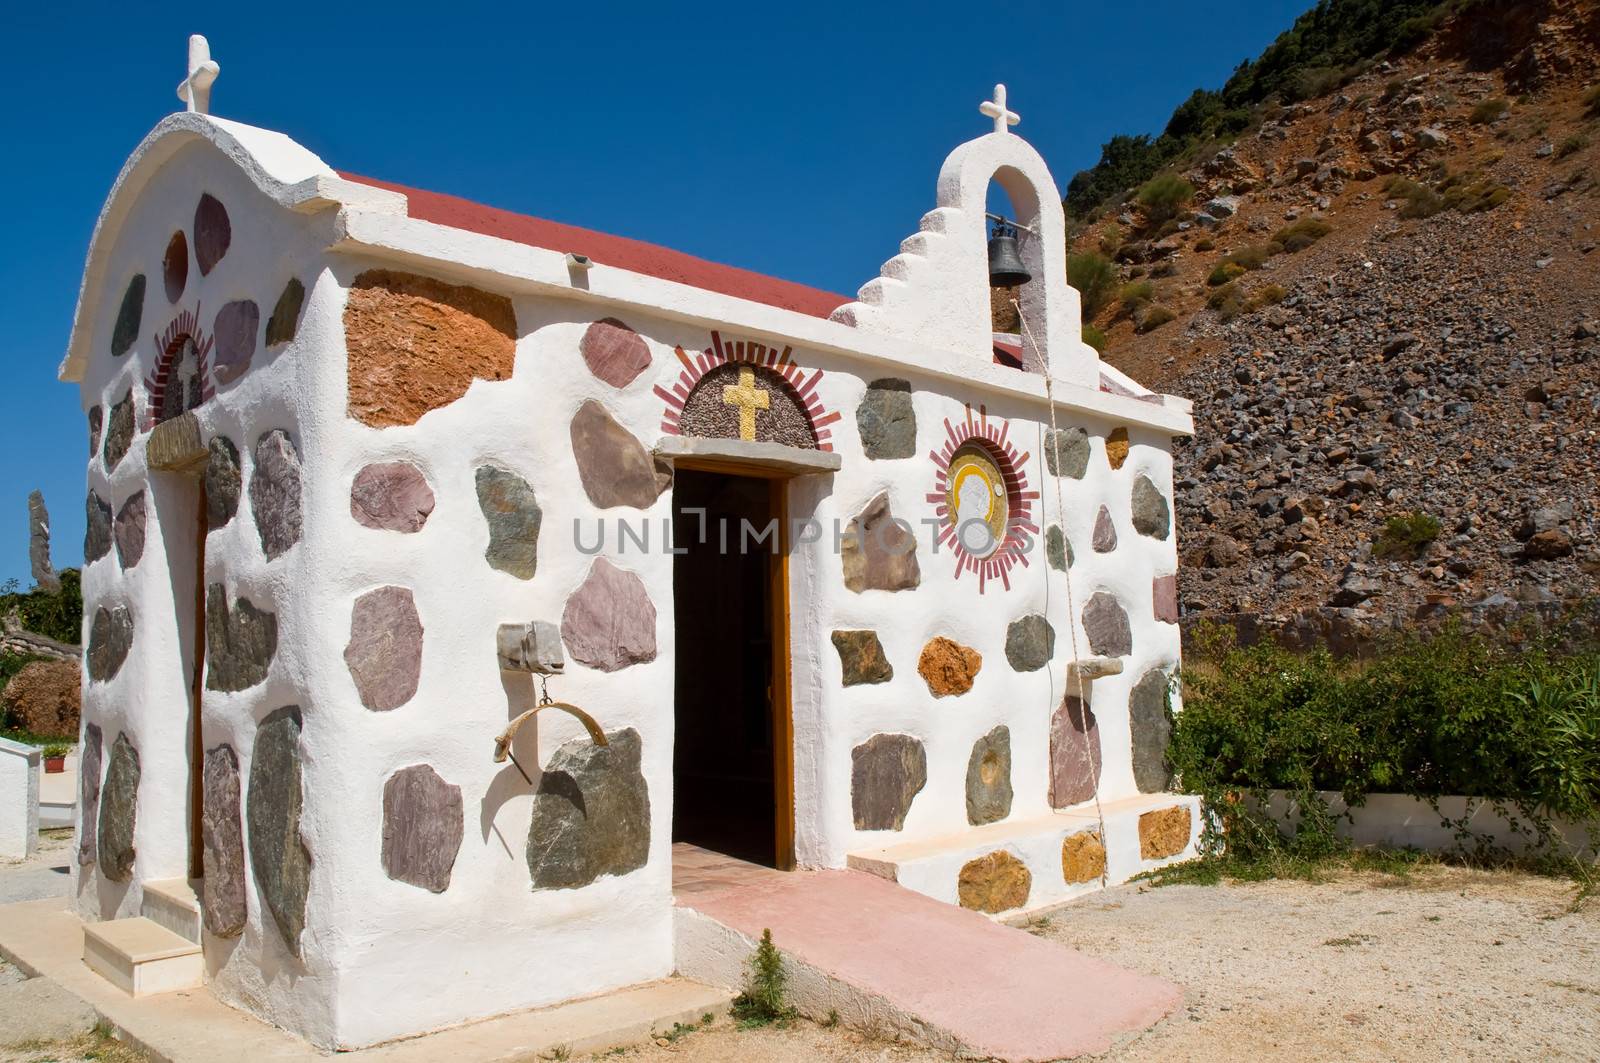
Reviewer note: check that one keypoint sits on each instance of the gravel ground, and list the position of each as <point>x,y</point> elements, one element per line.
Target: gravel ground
<point>1443,964</point>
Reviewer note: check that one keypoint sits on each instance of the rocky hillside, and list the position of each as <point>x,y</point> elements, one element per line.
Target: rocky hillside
<point>1385,303</point>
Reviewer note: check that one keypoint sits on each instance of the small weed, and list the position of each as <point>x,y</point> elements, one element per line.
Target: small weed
<point>1205,243</point>
<point>1434,918</point>
<point>1267,295</point>
<point>1416,200</point>
<point>1135,294</point>
<point>832,1020</point>
<point>1350,941</point>
<point>1094,338</point>
<point>1572,145</point>
<point>763,1001</point>
<point>1407,536</point>
<point>560,1053</point>
<point>1227,301</point>
<point>1251,256</point>
<point>1225,273</point>
<point>1163,195</point>
<point>1591,101</point>
<point>1150,318</point>
<point>1038,926</point>
<point>1490,110</point>
<point>1297,236</point>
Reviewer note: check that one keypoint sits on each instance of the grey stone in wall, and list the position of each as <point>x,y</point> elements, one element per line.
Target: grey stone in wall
<point>878,552</point>
<point>278,856</point>
<point>240,643</point>
<point>89,753</point>
<point>989,778</point>
<point>110,639</point>
<point>887,420</point>
<point>1151,732</point>
<point>1105,623</point>
<point>97,529</point>
<point>1057,550</point>
<point>1030,643</point>
<point>613,465</point>
<point>222,481</point>
<point>128,530</point>
<point>886,772</point>
<point>275,493</point>
<point>222,840</point>
<point>513,515</point>
<point>1105,532</point>
<point>1151,514</point>
<point>591,813</point>
<point>422,827</point>
<point>119,806</point>
<point>119,431</point>
<point>862,658</point>
<point>1066,452</point>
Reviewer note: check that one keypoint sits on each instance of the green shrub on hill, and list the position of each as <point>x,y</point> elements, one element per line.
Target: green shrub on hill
<point>1162,196</point>
<point>1490,110</point>
<point>1095,278</point>
<point>1225,272</point>
<point>56,615</point>
<point>1094,338</point>
<point>1407,535</point>
<point>1591,101</point>
<point>1299,235</point>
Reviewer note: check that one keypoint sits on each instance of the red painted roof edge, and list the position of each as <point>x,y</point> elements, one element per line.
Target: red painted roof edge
<point>619,252</point>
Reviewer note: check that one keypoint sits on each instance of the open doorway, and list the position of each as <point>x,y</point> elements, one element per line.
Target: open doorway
<point>732,756</point>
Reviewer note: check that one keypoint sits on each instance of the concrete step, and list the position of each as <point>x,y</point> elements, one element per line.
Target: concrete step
<point>886,959</point>
<point>1131,845</point>
<point>141,957</point>
<point>174,904</point>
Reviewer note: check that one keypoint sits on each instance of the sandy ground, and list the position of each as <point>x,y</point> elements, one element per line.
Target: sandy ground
<point>1445,964</point>
<point>44,874</point>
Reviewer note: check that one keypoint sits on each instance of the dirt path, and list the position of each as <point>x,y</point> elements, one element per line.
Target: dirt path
<point>1445,964</point>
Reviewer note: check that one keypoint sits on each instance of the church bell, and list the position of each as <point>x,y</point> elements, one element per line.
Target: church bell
<point>1005,263</point>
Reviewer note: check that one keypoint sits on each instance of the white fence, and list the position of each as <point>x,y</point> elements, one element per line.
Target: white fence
<point>19,800</point>
<point>1459,824</point>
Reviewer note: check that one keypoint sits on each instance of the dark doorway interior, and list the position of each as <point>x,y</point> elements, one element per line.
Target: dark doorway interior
<point>725,771</point>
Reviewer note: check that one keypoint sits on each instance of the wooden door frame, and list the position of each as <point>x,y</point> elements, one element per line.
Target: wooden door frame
<point>782,664</point>
<point>197,867</point>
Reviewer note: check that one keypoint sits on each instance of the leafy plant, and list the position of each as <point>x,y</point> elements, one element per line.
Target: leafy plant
<point>1224,272</point>
<point>1489,110</point>
<point>1416,200</point>
<point>1573,144</point>
<point>1150,318</point>
<point>1251,256</point>
<point>54,750</point>
<point>1095,278</point>
<point>1299,235</point>
<point>1228,300</point>
<point>1163,195</point>
<point>765,986</point>
<point>57,615</point>
<point>1407,535</point>
<point>1094,338</point>
<point>1267,295</point>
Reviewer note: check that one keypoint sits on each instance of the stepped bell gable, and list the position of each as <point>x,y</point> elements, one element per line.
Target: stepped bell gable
<point>405,468</point>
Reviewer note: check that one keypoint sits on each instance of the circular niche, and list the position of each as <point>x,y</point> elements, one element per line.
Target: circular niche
<point>976,496</point>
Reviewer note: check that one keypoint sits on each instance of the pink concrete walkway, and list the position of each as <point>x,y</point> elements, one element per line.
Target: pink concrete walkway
<point>1000,991</point>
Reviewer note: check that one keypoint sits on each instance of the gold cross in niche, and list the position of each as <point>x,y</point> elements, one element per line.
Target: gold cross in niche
<point>748,399</point>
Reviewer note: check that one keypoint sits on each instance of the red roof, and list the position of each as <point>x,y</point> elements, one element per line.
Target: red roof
<point>616,251</point>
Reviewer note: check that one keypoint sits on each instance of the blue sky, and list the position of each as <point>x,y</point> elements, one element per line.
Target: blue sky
<point>801,142</point>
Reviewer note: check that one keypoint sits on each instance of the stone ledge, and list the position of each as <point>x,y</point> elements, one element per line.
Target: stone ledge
<point>177,446</point>
<point>771,457</point>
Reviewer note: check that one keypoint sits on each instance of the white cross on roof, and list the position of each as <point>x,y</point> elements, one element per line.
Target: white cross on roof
<point>195,90</point>
<point>996,109</point>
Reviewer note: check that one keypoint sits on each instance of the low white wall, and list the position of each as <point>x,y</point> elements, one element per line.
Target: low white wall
<point>1459,824</point>
<point>19,800</point>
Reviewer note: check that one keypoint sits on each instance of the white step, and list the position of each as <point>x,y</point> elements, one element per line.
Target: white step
<point>172,903</point>
<point>142,958</point>
<point>933,866</point>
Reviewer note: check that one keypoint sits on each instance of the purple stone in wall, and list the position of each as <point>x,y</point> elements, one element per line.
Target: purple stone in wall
<point>609,622</point>
<point>222,836</point>
<point>235,331</point>
<point>213,232</point>
<point>385,649</point>
<point>128,530</point>
<point>392,496</point>
<point>614,352</point>
<point>422,827</point>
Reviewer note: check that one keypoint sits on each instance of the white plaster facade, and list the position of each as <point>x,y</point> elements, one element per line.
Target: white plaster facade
<point>381,958</point>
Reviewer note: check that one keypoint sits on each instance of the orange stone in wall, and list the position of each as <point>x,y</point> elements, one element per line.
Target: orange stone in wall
<point>1164,832</point>
<point>948,667</point>
<point>994,883</point>
<point>416,344</point>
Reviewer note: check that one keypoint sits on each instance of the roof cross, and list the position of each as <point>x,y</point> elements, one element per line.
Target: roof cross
<point>195,90</point>
<point>996,109</point>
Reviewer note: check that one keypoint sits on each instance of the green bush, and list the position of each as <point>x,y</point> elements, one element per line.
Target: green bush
<point>1427,716</point>
<point>1416,200</point>
<point>1470,193</point>
<point>1406,535</point>
<point>1151,318</point>
<point>1490,110</point>
<point>1163,195</point>
<point>1095,278</point>
<point>1228,301</point>
<point>58,616</point>
<point>1094,338</point>
<point>1224,272</point>
<point>1267,295</point>
<point>1205,243</point>
<point>1299,235</point>
<point>1573,144</point>
<point>764,999</point>
<point>1135,294</point>
<point>1251,256</point>
<point>1591,101</point>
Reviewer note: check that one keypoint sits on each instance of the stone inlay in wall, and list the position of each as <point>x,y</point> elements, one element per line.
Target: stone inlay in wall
<point>119,430</point>
<point>1106,625</point>
<point>278,855</point>
<point>128,530</point>
<point>384,654</point>
<point>1164,598</point>
<point>392,496</point>
<point>130,314</point>
<point>110,639</point>
<point>879,553</point>
<point>119,807</point>
<point>97,533</point>
<point>422,827</point>
<point>948,667</point>
<point>997,882</point>
<point>614,467</point>
<point>240,643</point>
<point>887,420</point>
<point>1117,447</point>
<point>609,622</point>
<point>614,352</point>
<point>1105,532</point>
<point>862,658</point>
<point>513,515</point>
<point>1164,832</point>
<point>1057,550</point>
<point>275,493</point>
<point>1083,857</point>
<point>213,233</point>
<point>89,753</point>
<point>1151,730</point>
<point>234,335</point>
<point>1074,753</point>
<point>222,840</point>
<point>416,344</point>
<point>989,778</point>
<point>1030,643</point>
<point>886,772</point>
<point>1066,452</point>
<point>741,389</point>
<point>175,266</point>
<point>1151,514</point>
<point>284,323</point>
<point>223,482</point>
<point>981,498</point>
<point>96,422</point>
<point>591,813</point>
